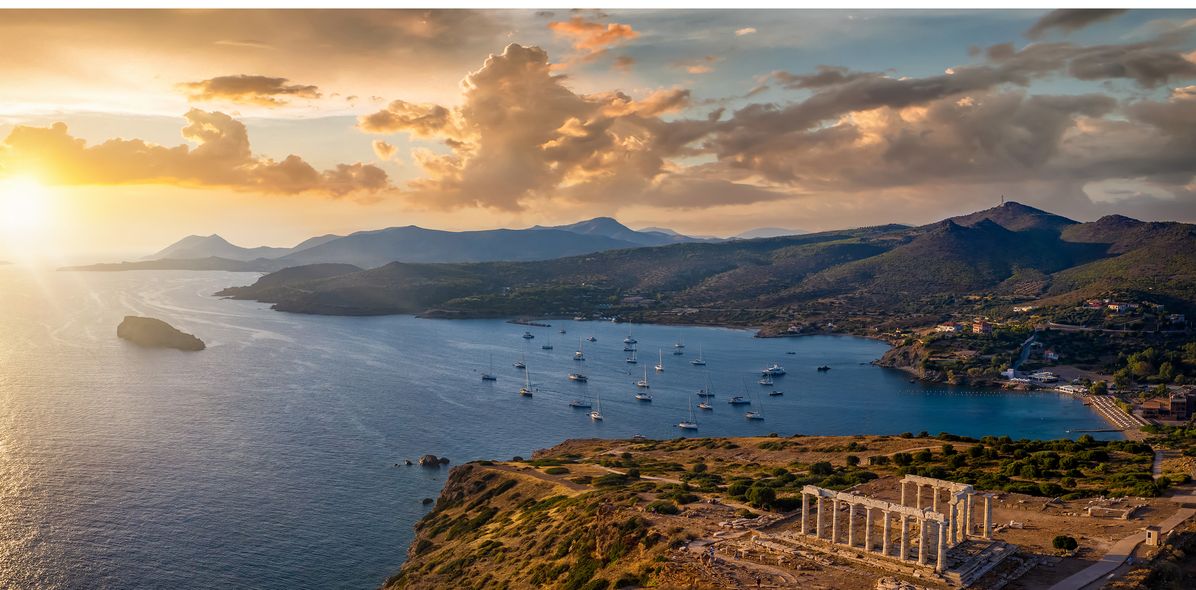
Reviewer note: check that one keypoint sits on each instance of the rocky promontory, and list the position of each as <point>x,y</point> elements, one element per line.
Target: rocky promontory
<point>155,333</point>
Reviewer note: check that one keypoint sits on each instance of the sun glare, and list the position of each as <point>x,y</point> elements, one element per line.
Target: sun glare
<point>23,206</point>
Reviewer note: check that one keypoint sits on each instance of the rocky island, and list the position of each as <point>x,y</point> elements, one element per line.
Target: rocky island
<point>155,333</point>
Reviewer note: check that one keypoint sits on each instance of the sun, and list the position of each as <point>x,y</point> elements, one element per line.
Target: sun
<point>23,205</point>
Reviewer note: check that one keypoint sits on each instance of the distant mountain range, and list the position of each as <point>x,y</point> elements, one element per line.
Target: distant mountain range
<point>369,249</point>
<point>1005,251</point>
<point>374,248</point>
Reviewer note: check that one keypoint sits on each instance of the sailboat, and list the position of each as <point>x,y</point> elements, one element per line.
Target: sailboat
<point>766,380</point>
<point>490,376</point>
<point>548,341</point>
<point>679,347</point>
<point>631,360</point>
<point>692,422</point>
<point>520,364</point>
<point>579,355</point>
<point>753,413</point>
<point>704,405</point>
<point>526,390</point>
<point>579,403</point>
<point>660,363</point>
<point>699,362</point>
<point>528,335</point>
<point>643,382</point>
<point>643,395</point>
<point>708,391</point>
<point>629,340</point>
<point>596,413</point>
<point>592,339</point>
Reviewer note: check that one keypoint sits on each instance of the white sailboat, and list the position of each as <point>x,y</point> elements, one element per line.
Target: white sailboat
<point>699,362</point>
<point>547,342</point>
<point>596,413</point>
<point>692,422</point>
<point>579,355</point>
<point>526,390</point>
<point>660,363</point>
<point>708,391</point>
<point>756,412</point>
<point>631,360</point>
<point>490,376</point>
<point>679,347</point>
<point>521,364</point>
<point>643,395</point>
<point>643,382</point>
<point>766,380</point>
<point>629,340</point>
<point>705,405</point>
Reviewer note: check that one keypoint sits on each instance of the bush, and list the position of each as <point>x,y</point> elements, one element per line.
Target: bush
<point>853,460</point>
<point>760,496</point>
<point>822,468</point>
<point>1065,543</point>
<point>662,507</point>
<point>556,470</point>
<point>633,473</point>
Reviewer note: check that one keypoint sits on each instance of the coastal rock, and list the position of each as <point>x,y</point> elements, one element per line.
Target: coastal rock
<point>155,333</point>
<point>429,461</point>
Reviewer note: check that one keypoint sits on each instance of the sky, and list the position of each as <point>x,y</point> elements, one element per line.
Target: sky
<point>122,131</point>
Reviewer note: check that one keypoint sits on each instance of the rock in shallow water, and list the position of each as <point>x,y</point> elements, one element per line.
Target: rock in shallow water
<point>156,333</point>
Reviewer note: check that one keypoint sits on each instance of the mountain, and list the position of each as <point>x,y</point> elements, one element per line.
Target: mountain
<point>1011,251</point>
<point>192,247</point>
<point>1017,217</point>
<point>611,228</point>
<point>415,244</point>
<point>768,232</point>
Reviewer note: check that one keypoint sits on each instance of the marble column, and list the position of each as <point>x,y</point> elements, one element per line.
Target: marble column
<point>902,484</point>
<point>988,516</point>
<point>940,562</point>
<point>834,520</point>
<point>851,524</point>
<point>918,496</point>
<point>805,512</point>
<point>884,536</point>
<point>818,518</point>
<point>922,541</point>
<point>935,501</point>
<point>867,528</point>
<point>904,549</point>
<point>967,516</point>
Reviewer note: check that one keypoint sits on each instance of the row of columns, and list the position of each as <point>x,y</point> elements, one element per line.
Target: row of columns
<point>959,512</point>
<point>929,528</point>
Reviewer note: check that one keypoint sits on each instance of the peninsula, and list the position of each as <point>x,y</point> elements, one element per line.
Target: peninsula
<point>852,512</point>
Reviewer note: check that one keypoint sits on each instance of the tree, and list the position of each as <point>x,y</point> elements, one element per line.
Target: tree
<point>760,496</point>
<point>1065,543</point>
<point>1099,388</point>
<point>853,460</point>
<point>822,468</point>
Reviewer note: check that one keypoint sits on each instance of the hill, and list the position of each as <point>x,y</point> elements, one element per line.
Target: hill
<point>609,227</point>
<point>906,276</point>
<point>213,246</point>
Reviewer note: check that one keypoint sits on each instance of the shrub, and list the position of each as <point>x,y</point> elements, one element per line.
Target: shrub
<point>662,507</point>
<point>633,473</point>
<point>1065,543</point>
<point>853,460</point>
<point>822,468</point>
<point>556,470</point>
<point>760,496</point>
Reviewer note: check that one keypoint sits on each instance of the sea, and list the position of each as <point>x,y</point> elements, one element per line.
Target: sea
<point>276,457</point>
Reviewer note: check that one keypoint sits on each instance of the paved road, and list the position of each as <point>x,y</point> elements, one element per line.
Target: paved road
<point>1122,549</point>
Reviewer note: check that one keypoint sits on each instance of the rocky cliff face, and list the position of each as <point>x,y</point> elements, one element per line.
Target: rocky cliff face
<point>155,333</point>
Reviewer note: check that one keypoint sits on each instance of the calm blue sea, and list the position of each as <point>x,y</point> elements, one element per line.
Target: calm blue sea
<point>268,460</point>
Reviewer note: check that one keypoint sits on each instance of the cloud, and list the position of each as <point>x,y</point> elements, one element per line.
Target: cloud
<point>521,135</point>
<point>745,31</point>
<point>221,158</point>
<point>423,120</point>
<point>824,76</point>
<point>624,63</point>
<point>384,150</point>
<point>244,89</point>
<point>1068,20</point>
<point>591,39</point>
<point>701,65</point>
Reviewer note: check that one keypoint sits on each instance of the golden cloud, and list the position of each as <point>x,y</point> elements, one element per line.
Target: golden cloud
<point>222,158</point>
<point>245,89</point>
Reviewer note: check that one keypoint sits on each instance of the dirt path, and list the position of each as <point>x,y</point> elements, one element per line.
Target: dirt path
<point>532,472</point>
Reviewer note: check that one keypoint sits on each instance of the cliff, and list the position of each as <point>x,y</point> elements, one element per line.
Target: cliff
<point>155,333</point>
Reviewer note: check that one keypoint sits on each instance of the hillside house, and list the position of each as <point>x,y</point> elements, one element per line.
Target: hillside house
<point>982,327</point>
<point>950,328</point>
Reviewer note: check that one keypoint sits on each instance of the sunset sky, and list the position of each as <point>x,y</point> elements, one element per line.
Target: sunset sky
<point>122,131</point>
